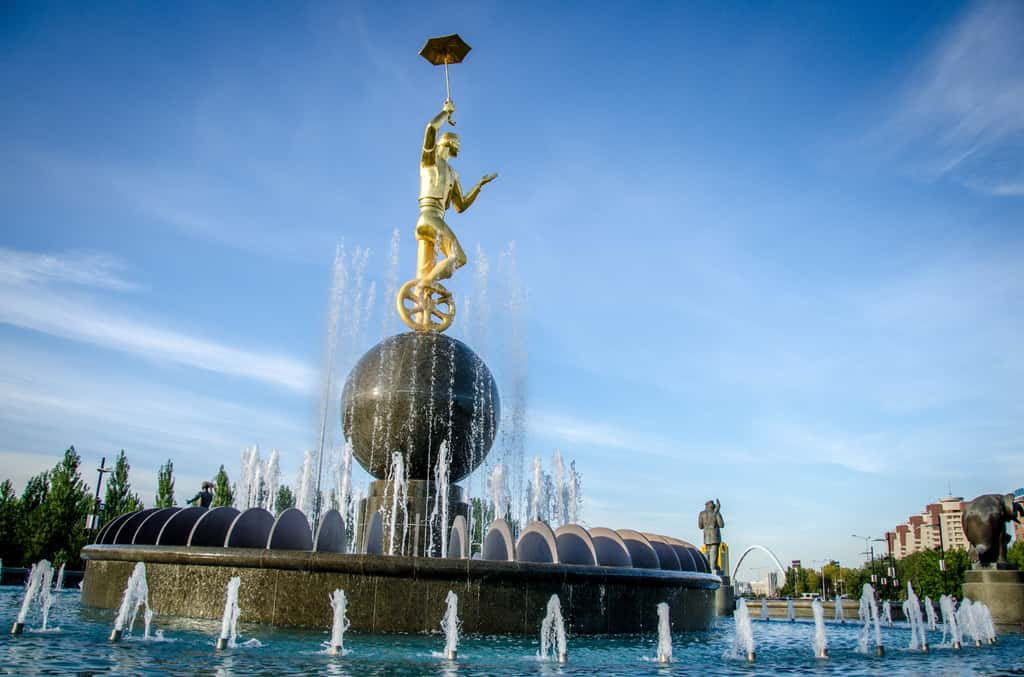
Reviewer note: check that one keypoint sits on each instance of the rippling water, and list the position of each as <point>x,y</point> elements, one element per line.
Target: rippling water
<point>81,647</point>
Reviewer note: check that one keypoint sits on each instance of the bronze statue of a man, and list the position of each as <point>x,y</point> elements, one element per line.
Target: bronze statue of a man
<point>439,187</point>
<point>710,520</point>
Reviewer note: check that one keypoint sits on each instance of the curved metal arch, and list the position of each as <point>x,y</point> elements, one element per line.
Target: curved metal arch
<point>766,551</point>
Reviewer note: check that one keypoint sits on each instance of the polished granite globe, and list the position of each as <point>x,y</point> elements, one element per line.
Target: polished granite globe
<point>411,392</point>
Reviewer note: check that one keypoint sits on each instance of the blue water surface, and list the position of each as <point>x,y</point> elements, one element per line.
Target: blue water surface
<point>80,647</point>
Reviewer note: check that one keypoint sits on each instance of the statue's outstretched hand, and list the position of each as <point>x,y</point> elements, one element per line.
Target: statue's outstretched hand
<point>488,178</point>
<point>449,106</point>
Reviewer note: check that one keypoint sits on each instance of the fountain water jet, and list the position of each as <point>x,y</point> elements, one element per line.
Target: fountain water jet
<point>229,624</point>
<point>839,610</point>
<point>820,643</point>
<point>340,624</point>
<point>790,610</point>
<point>450,626</point>
<point>35,581</point>
<point>949,621</point>
<point>136,594</point>
<point>929,608</point>
<point>912,610</point>
<point>764,609</point>
<point>743,640</point>
<point>664,634</point>
<point>552,633</point>
<point>46,597</point>
<point>867,612</point>
<point>887,613</point>
<point>965,618</point>
<point>60,578</point>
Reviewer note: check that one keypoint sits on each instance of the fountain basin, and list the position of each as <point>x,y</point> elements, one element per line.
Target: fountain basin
<point>400,594</point>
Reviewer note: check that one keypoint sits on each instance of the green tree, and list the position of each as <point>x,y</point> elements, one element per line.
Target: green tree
<point>119,498</point>
<point>483,515</point>
<point>222,492</point>
<point>30,514</point>
<point>165,485</point>
<point>1015,553</point>
<point>285,499</point>
<point>60,530</point>
<point>10,518</point>
<point>921,569</point>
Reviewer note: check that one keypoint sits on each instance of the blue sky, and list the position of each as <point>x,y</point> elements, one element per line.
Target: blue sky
<point>772,253</point>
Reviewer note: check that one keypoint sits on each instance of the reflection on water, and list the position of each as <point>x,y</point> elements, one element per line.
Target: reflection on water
<point>81,647</point>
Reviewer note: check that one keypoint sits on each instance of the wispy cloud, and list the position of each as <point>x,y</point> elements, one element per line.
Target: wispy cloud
<point>102,410</point>
<point>26,303</point>
<point>89,269</point>
<point>964,106</point>
<point>571,430</point>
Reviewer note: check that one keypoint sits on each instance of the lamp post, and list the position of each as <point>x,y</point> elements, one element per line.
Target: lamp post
<point>870,551</point>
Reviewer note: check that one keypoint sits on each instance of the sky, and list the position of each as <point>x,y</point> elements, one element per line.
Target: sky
<point>770,253</point>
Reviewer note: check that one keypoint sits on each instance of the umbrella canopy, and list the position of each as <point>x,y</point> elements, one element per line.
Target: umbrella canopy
<point>445,49</point>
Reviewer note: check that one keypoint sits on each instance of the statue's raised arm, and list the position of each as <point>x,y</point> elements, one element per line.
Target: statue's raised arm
<point>430,135</point>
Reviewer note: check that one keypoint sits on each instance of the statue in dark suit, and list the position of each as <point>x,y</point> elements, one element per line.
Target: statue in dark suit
<point>710,520</point>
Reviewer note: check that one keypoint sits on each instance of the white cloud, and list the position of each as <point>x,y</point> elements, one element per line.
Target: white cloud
<point>570,430</point>
<point>965,103</point>
<point>89,269</point>
<point>27,301</point>
<point>48,402</point>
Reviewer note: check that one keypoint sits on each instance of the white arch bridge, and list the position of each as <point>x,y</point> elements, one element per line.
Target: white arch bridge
<point>782,569</point>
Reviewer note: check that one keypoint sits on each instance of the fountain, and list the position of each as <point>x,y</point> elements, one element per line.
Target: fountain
<point>136,596</point>
<point>839,610</point>
<point>743,640</point>
<point>450,626</point>
<point>764,609</point>
<point>37,574</point>
<point>60,578</point>
<point>419,411</point>
<point>968,621</point>
<point>552,633</point>
<point>947,605</point>
<point>229,623</point>
<point>790,611</point>
<point>664,634</point>
<point>868,615</point>
<point>929,608</point>
<point>887,613</point>
<point>46,598</point>
<point>912,611</point>
<point>340,623</point>
<point>820,643</point>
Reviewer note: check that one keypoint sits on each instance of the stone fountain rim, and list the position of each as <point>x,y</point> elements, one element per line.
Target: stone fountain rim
<point>394,566</point>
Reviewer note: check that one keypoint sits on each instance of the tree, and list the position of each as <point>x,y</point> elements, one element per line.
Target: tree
<point>1015,553</point>
<point>119,498</point>
<point>165,485</point>
<point>58,533</point>
<point>222,493</point>
<point>10,518</point>
<point>921,569</point>
<point>483,515</point>
<point>285,499</point>
<point>30,514</point>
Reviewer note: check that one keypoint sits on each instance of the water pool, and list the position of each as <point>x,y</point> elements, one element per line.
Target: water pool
<point>80,646</point>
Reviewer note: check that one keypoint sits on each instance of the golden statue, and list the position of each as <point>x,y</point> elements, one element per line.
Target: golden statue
<point>423,303</point>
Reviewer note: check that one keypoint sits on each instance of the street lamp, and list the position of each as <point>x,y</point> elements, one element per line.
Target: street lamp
<point>870,550</point>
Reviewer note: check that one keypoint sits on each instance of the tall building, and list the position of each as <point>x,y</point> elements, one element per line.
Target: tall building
<point>940,525</point>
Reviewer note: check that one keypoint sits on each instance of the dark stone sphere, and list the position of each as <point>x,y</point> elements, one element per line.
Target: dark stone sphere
<point>411,392</point>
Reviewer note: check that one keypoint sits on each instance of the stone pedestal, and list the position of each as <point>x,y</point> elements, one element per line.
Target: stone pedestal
<point>1002,591</point>
<point>725,598</point>
<point>414,539</point>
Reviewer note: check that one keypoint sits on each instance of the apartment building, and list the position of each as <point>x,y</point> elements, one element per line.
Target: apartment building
<point>939,525</point>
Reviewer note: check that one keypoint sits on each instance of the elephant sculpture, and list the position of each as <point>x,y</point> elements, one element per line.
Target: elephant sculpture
<point>985,520</point>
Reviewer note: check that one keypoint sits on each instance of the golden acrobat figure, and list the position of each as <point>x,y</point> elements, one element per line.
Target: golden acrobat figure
<point>423,303</point>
